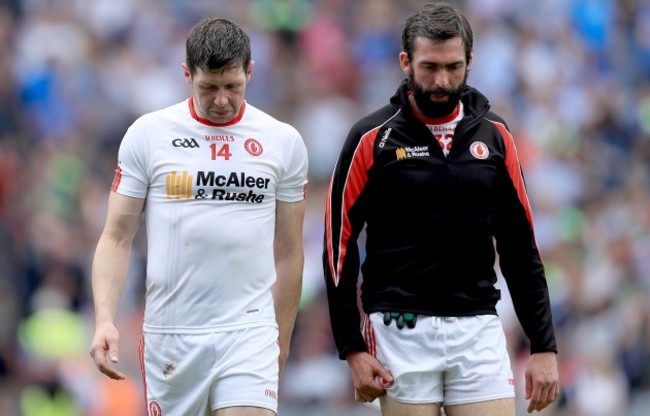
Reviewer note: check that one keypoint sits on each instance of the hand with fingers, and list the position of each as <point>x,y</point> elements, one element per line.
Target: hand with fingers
<point>369,376</point>
<point>542,381</point>
<point>104,347</point>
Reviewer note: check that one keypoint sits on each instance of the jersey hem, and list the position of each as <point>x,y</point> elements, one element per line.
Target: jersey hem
<point>475,311</point>
<point>133,194</point>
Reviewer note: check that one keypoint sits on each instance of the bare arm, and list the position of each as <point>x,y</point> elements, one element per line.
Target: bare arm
<point>289,259</point>
<point>109,273</point>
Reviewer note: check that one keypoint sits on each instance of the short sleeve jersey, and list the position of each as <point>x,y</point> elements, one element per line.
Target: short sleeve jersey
<point>211,193</point>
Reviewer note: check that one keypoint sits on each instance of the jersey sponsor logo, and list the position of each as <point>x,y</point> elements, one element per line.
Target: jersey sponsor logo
<point>233,179</point>
<point>185,143</point>
<point>213,186</point>
<point>411,151</point>
<point>479,150</point>
<point>253,147</point>
<point>154,409</point>
<point>179,186</point>
<point>223,195</point>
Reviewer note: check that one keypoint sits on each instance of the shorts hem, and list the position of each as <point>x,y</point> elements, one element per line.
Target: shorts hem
<point>480,399</point>
<point>454,402</point>
<point>412,401</point>
<point>245,404</point>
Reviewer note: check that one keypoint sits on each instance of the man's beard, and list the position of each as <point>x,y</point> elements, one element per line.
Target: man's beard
<point>435,109</point>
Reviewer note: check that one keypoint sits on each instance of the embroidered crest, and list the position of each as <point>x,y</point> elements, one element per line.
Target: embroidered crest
<point>253,147</point>
<point>479,150</point>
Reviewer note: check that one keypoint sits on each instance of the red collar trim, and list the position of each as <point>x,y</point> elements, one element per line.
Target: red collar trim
<point>207,122</point>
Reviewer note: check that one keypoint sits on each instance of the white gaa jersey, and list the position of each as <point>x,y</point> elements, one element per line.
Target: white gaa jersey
<point>211,191</point>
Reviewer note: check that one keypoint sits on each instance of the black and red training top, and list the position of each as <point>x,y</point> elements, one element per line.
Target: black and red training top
<point>431,224</point>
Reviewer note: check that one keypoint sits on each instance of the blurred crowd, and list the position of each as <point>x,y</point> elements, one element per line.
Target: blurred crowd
<point>571,78</point>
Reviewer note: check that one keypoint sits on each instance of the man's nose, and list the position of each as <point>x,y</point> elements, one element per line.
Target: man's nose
<point>221,98</point>
<point>441,79</point>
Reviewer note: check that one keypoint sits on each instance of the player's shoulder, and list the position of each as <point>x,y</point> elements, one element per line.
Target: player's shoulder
<point>476,103</point>
<point>268,122</point>
<point>163,115</point>
<point>374,120</point>
<point>493,117</point>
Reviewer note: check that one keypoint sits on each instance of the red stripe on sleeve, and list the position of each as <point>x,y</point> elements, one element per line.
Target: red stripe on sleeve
<point>514,168</point>
<point>369,336</point>
<point>116,179</point>
<point>355,180</point>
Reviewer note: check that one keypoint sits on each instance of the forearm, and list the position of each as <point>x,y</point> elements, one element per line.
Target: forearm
<point>534,313</point>
<point>345,318</point>
<point>523,270</point>
<point>286,293</point>
<point>109,274</point>
<point>342,298</point>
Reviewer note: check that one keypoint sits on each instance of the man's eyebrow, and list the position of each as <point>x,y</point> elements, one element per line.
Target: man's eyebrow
<point>438,63</point>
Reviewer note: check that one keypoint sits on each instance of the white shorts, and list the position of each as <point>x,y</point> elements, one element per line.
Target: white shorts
<point>446,360</point>
<point>193,375</point>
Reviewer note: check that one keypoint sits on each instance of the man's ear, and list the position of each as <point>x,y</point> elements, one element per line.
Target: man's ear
<point>250,70</point>
<point>405,63</point>
<point>187,73</point>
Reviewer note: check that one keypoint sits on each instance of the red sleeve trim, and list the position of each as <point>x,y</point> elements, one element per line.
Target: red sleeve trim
<point>354,182</point>
<point>117,178</point>
<point>514,168</point>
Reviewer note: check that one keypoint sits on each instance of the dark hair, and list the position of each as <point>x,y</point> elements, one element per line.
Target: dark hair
<point>440,22</point>
<point>217,44</point>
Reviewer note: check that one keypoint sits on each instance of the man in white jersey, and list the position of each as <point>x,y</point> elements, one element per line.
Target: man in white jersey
<point>221,186</point>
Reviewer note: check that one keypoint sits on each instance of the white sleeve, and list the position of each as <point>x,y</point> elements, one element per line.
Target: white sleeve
<point>133,162</point>
<point>291,187</point>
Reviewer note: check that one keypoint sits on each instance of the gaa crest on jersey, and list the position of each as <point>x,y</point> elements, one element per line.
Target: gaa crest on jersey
<point>253,147</point>
<point>479,150</point>
<point>154,408</point>
<point>185,142</point>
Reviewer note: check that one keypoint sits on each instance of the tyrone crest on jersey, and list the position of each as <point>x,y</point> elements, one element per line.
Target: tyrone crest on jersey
<point>253,147</point>
<point>479,150</point>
